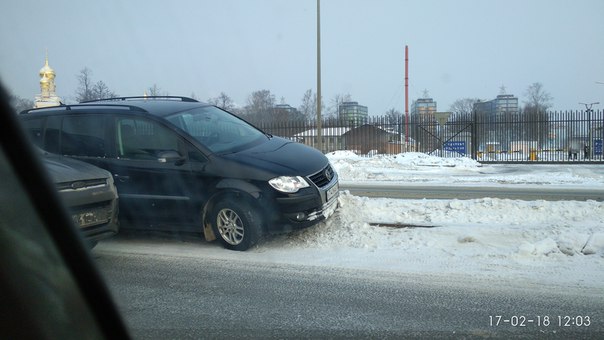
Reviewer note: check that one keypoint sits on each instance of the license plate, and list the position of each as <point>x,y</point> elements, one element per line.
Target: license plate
<point>333,191</point>
<point>88,218</point>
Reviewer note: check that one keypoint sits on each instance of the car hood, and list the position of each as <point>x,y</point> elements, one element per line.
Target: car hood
<point>63,169</point>
<point>282,157</point>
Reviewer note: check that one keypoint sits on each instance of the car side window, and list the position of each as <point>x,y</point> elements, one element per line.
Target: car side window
<point>83,136</point>
<point>52,135</point>
<point>34,129</point>
<point>139,138</point>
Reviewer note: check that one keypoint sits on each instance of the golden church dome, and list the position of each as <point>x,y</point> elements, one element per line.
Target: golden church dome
<point>48,96</point>
<point>47,71</point>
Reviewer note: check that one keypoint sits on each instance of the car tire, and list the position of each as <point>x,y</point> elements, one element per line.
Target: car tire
<point>237,225</point>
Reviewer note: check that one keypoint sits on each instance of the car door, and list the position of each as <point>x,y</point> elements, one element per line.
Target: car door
<point>147,160</point>
<point>153,173</point>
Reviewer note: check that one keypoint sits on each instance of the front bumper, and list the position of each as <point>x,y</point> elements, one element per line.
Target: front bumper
<point>94,210</point>
<point>305,208</point>
<point>102,220</point>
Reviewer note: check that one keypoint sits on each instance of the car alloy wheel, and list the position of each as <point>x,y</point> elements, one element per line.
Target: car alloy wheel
<point>230,226</point>
<point>238,223</point>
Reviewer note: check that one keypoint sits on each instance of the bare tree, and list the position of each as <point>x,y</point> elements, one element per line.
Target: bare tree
<point>308,108</point>
<point>223,101</point>
<point>84,91</point>
<point>19,104</point>
<point>537,99</point>
<point>101,91</point>
<point>393,116</point>
<point>462,109</point>
<point>336,101</point>
<point>88,90</point>
<point>156,91</point>
<point>260,104</point>
<point>536,119</point>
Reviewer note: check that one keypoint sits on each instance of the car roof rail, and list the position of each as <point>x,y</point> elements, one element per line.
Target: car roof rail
<point>184,99</point>
<point>70,107</point>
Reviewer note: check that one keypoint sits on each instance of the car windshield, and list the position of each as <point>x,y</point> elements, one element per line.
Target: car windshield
<point>219,131</point>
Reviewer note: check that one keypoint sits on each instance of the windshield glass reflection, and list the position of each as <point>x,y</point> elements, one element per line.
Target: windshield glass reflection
<point>217,130</point>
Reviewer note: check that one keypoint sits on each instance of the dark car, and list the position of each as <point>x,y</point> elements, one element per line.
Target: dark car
<point>51,288</point>
<point>180,164</point>
<point>89,194</point>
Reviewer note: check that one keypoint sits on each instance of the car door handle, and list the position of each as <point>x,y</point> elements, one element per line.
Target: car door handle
<point>121,178</point>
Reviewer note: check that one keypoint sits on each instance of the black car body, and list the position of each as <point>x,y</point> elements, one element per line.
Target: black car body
<point>180,164</point>
<point>89,194</point>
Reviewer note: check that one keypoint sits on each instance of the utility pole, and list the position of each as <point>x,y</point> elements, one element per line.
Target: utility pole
<point>588,109</point>
<point>407,97</point>
<point>319,122</point>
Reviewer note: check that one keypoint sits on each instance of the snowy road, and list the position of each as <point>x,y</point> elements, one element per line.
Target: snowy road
<point>163,295</point>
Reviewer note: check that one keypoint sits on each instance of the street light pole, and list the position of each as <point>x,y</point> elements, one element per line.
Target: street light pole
<point>588,108</point>
<point>319,122</point>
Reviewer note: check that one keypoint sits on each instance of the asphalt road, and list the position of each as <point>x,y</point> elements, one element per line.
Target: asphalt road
<point>435,191</point>
<point>166,296</point>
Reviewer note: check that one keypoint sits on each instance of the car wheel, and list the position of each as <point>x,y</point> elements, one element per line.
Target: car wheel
<point>237,225</point>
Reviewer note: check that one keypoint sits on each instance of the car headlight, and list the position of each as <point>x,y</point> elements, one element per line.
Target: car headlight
<point>288,184</point>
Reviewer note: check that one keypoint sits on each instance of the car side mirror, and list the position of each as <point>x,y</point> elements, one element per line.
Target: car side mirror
<point>170,156</point>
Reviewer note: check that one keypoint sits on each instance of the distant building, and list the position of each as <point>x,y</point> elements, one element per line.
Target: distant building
<point>423,107</point>
<point>332,138</point>
<point>504,106</point>
<point>362,139</point>
<point>494,116</point>
<point>48,96</point>
<point>353,113</point>
<point>368,138</point>
<point>285,108</point>
<point>424,123</point>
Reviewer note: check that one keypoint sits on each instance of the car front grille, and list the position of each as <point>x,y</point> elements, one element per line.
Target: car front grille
<point>323,177</point>
<point>84,184</point>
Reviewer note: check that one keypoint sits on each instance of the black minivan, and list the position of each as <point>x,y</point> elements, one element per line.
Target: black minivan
<point>180,164</point>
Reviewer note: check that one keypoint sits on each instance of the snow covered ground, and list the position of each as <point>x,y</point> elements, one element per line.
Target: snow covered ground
<point>421,168</point>
<point>536,242</point>
<point>525,243</point>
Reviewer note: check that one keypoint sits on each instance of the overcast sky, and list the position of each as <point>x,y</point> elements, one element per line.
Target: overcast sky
<point>457,49</point>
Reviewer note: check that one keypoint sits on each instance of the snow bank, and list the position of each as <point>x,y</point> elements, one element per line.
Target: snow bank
<point>415,167</point>
<point>499,226</point>
<point>552,243</point>
<point>548,242</point>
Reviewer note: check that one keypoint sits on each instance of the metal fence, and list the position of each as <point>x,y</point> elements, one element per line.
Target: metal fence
<point>552,137</point>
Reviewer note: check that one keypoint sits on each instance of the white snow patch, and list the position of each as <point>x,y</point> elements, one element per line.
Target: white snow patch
<point>548,242</point>
<point>414,167</point>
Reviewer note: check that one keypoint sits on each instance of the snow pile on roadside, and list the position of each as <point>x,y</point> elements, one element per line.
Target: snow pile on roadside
<point>414,167</point>
<point>493,227</point>
<point>383,167</point>
<point>408,160</point>
<point>540,242</point>
<point>351,167</point>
